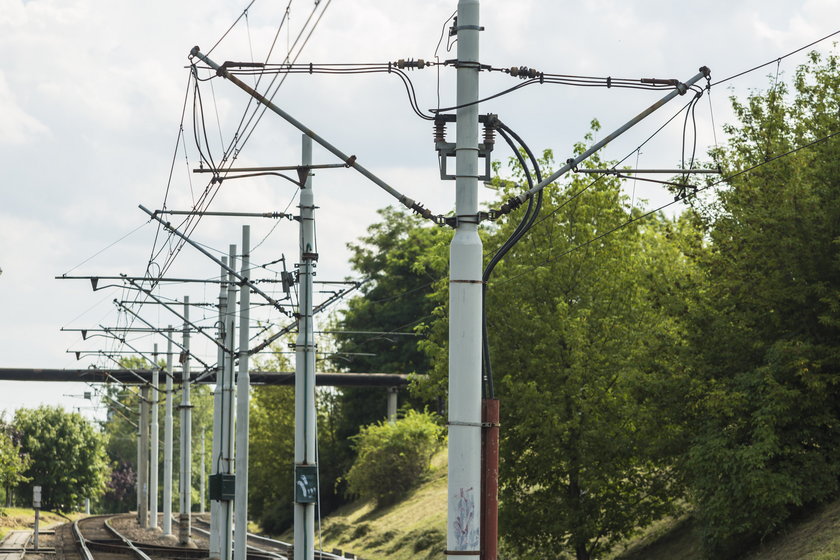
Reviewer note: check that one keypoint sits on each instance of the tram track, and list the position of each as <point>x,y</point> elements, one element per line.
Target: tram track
<point>266,545</point>
<point>96,538</point>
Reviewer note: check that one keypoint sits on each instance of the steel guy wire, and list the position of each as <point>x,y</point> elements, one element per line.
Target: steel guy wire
<point>225,34</point>
<point>779,59</point>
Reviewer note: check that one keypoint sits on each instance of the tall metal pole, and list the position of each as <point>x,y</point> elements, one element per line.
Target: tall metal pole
<point>184,517</point>
<point>228,407</point>
<point>154,451</point>
<point>166,526</point>
<point>304,542</point>
<point>243,384</point>
<point>143,469</point>
<point>139,481</point>
<point>216,509</point>
<point>201,474</point>
<point>465,258</point>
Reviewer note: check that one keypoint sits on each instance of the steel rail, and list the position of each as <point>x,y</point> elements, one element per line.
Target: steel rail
<point>82,541</point>
<point>124,539</point>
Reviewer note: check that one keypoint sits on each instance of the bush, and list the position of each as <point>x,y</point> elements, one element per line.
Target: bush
<point>393,458</point>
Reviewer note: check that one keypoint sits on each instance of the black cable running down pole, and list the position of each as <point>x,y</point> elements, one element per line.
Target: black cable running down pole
<point>531,212</point>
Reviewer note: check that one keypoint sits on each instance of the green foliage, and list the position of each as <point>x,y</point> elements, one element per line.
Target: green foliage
<point>393,458</point>
<point>272,447</point>
<point>13,463</point>
<point>121,431</point>
<point>271,457</point>
<point>766,325</point>
<point>583,339</point>
<point>67,454</point>
<point>402,257</point>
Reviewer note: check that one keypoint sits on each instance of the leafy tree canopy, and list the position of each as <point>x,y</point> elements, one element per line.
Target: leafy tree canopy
<point>67,454</point>
<point>765,327</point>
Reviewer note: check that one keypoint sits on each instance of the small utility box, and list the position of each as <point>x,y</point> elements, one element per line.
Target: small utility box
<point>306,484</point>
<point>222,486</point>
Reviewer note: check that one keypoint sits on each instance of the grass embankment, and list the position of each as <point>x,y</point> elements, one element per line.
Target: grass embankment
<point>412,529</point>
<point>19,519</point>
<point>815,536</point>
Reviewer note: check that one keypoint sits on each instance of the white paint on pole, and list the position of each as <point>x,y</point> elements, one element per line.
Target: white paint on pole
<point>154,452</point>
<point>184,515</point>
<point>304,527</point>
<point>166,525</point>
<point>465,258</point>
<point>243,385</point>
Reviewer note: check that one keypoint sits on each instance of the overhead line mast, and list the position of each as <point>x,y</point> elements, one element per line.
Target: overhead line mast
<point>465,292</point>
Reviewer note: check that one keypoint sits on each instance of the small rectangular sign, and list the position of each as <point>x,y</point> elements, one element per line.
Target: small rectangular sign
<point>306,484</point>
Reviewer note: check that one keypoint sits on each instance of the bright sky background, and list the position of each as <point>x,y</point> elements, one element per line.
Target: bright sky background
<point>91,93</point>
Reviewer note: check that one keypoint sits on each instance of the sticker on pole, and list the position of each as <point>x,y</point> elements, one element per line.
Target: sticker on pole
<point>306,484</point>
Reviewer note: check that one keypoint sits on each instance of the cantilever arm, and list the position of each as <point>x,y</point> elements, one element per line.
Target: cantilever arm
<point>350,161</point>
<point>572,163</point>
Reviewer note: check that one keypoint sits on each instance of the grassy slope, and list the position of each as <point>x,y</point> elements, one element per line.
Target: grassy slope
<point>412,529</point>
<point>815,536</point>
<point>14,519</point>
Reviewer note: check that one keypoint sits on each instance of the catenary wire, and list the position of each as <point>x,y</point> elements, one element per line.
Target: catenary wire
<point>768,63</point>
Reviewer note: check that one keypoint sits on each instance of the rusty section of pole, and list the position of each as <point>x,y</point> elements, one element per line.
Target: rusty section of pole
<point>490,479</point>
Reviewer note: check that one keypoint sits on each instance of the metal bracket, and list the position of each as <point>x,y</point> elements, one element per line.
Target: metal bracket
<point>456,28</point>
<point>446,149</point>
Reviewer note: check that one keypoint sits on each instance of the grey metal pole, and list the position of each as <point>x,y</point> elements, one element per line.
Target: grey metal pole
<point>154,451</point>
<point>465,258</point>
<point>243,384</point>
<point>184,517</point>
<point>143,469</point>
<point>167,442</point>
<point>228,403</point>
<point>304,528</point>
<point>139,481</point>
<point>201,474</point>
<point>216,446</point>
<point>392,404</point>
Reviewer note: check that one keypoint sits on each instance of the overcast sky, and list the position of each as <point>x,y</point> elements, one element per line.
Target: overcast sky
<point>91,94</point>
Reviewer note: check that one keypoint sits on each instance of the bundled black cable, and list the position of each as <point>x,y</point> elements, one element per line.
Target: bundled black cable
<point>531,213</point>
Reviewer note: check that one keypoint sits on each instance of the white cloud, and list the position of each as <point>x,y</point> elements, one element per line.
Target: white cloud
<point>17,125</point>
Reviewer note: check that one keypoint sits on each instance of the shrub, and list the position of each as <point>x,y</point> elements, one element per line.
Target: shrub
<point>393,458</point>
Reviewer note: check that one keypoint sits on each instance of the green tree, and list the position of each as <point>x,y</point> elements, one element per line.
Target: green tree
<point>13,463</point>
<point>583,336</point>
<point>121,431</point>
<point>765,329</point>
<point>397,256</point>
<point>394,457</point>
<point>271,457</point>
<point>67,454</point>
